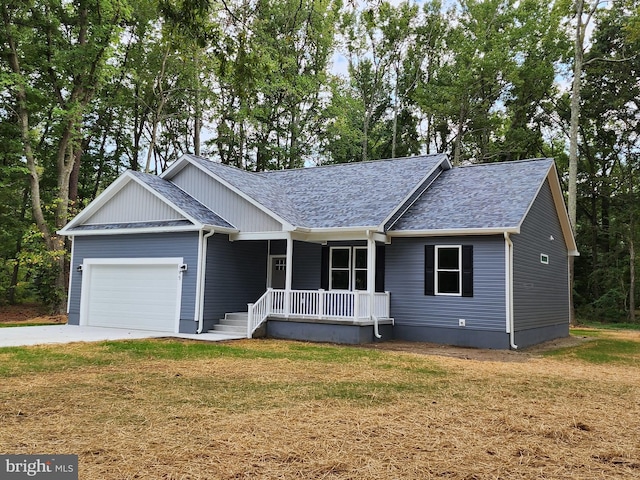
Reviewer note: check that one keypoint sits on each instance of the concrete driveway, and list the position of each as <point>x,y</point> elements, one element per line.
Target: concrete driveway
<point>40,335</point>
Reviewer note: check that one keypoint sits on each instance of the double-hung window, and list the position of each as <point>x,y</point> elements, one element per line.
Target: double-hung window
<point>348,268</point>
<point>448,270</point>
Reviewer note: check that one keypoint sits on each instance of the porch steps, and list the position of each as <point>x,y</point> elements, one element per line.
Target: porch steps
<point>232,324</point>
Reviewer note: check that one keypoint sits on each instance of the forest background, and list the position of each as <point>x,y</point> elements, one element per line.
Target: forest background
<point>89,88</point>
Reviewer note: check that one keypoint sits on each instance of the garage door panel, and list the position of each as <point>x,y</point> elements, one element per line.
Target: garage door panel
<point>137,296</point>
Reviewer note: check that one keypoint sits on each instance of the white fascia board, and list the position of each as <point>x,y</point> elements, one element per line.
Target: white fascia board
<point>561,209</point>
<point>98,202</point>
<point>445,165</point>
<point>285,224</point>
<point>175,167</point>
<point>134,261</point>
<point>453,232</point>
<point>121,231</point>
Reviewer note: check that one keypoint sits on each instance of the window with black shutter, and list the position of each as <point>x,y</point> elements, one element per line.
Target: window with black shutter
<point>448,270</point>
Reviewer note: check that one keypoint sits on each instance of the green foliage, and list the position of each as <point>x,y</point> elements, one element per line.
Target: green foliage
<point>42,269</point>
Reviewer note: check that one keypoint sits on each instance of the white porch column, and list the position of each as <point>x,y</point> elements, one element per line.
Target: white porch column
<point>289,275</point>
<point>371,271</point>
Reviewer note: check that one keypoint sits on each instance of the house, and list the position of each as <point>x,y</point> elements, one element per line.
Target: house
<point>408,248</point>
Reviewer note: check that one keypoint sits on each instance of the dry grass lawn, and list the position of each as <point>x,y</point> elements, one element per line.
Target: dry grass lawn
<point>167,409</point>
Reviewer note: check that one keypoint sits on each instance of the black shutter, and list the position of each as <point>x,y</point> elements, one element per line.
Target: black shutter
<point>380,268</point>
<point>429,270</point>
<point>324,268</point>
<point>467,270</point>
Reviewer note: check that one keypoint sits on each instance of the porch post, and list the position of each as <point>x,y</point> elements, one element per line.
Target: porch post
<point>371,271</point>
<point>289,275</point>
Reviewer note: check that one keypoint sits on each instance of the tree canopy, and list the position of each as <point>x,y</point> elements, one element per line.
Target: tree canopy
<point>92,87</point>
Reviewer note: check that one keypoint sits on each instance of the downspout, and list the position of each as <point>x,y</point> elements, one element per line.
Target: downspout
<point>201,279</point>
<point>371,281</point>
<point>508,260</point>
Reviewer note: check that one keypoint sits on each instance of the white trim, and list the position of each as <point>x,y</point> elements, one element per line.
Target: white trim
<point>405,202</point>
<point>561,209</point>
<point>340,269</point>
<point>131,230</point>
<point>452,232</point>
<point>508,266</point>
<point>73,244</point>
<point>436,270</point>
<point>88,263</point>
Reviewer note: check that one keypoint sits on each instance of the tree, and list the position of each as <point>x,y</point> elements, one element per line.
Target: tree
<point>56,52</point>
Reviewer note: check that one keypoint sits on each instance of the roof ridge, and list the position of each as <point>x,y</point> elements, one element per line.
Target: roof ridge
<point>505,162</point>
<point>328,165</point>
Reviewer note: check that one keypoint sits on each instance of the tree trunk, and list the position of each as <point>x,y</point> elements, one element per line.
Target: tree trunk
<point>573,140</point>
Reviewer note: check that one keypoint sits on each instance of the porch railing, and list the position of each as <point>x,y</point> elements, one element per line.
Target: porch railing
<point>329,304</point>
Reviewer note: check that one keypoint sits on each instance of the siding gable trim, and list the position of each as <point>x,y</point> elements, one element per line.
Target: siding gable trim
<point>560,208</point>
<point>111,191</point>
<point>181,163</point>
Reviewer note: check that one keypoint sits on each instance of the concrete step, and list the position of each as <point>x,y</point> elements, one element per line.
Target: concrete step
<point>236,316</point>
<point>234,322</point>
<point>230,329</point>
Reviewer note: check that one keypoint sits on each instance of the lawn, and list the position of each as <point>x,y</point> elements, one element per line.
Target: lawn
<point>170,409</point>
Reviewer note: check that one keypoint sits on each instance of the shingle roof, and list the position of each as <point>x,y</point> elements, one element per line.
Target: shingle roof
<point>493,195</point>
<point>259,187</point>
<point>355,194</point>
<point>130,225</point>
<point>347,195</point>
<point>182,200</point>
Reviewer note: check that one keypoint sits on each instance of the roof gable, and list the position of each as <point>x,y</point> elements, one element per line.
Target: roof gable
<point>484,196</point>
<point>139,200</point>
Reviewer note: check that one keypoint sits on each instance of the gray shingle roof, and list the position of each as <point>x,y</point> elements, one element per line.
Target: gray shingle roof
<point>259,187</point>
<point>131,225</point>
<point>347,195</point>
<point>494,195</point>
<point>354,194</point>
<point>182,200</point>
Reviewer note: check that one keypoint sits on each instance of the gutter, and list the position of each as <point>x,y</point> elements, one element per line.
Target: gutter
<point>202,258</point>
<point>508,260</point>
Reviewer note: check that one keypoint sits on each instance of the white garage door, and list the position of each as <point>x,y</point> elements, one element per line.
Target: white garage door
<point>139,295</point>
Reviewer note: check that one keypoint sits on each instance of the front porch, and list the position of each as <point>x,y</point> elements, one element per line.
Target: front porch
<point>333,307</point>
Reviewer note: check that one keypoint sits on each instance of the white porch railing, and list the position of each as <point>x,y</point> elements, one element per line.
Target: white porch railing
<point>328,304</point>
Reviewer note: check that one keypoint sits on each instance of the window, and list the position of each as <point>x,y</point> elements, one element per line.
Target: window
<point>448,270</point>
<point>340,268</point>
<point>348,268</point>
<point>360,268</point>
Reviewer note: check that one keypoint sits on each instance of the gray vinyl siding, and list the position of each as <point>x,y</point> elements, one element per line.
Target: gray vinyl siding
<point>133,203</point>
<point>241,213</point>
<point>306,266</point>
<point>410,307</point>
<point>236,274</point>
<point>184,245</point>
<point>540,292</point>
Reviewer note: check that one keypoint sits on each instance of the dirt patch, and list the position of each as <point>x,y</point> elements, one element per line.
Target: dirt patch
<point>424,348</point>
<point>28,313</point>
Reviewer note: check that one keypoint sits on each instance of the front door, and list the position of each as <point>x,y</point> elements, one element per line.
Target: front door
<point>278,271</point>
